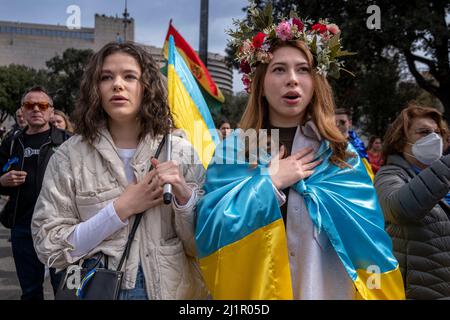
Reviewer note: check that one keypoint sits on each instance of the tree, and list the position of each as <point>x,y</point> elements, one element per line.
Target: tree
<point>232,109</point>
<point>65,73</point>
<point>419,31</point>
<point>14,80</point>
<point>380,100</point>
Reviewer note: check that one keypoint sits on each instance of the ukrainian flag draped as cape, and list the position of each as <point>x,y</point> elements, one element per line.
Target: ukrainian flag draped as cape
<point>188,107</point>
<point>241,238</point>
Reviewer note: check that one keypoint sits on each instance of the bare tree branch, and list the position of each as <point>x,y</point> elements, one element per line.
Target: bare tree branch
<point>421,81</point>
<point>430,63</point>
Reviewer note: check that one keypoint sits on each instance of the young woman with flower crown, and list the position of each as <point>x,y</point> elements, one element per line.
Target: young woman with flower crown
<point>303,223</point>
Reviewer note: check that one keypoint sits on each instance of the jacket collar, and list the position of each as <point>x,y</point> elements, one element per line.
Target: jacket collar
<point>145,149</point>
<point>399,161</point>
<point>311,133</point>
<point>310,130</point>
<point>108,150</point>
<point>57,136</point>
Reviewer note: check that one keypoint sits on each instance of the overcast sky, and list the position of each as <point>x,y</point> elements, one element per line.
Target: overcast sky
<point>151,18</point>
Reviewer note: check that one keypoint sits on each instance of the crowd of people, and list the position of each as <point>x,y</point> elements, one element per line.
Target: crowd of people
<point>77,186</point>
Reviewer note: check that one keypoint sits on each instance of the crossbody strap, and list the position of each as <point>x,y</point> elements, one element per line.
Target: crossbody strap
<point>138,217</point>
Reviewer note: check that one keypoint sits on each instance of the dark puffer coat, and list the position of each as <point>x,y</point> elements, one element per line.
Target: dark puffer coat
<point>418,220</point>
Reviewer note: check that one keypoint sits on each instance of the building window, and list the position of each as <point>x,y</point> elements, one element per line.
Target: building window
<point>47,32</point>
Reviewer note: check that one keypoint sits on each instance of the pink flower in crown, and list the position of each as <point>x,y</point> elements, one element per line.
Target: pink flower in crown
<point>283,31</point>
<point>334,29</point>
<point>297,22</point>
<point>325,37</point>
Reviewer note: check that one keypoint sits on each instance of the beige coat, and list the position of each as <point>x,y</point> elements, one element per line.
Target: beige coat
<point>81,179</point>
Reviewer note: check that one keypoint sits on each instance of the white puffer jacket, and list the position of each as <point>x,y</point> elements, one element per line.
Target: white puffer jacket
<point>81,179</point>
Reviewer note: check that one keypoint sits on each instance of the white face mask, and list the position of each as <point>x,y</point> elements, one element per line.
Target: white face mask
<point>428,149</point>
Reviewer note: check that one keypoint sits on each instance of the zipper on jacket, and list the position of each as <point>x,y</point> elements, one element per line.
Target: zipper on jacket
<point>21,169</point>
<point>18,190</point>
<point>39,158</point>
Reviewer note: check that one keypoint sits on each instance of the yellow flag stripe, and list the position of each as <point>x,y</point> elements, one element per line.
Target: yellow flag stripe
<point>186,116</point>
<point>253,268</point>
<point>368,169</point>
<point>380,286</point>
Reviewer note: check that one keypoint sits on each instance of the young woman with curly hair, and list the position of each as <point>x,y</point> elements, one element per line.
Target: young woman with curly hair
<point>98,181</point>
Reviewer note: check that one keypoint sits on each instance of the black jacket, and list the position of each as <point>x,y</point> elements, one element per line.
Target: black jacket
<point>11,147</point>
<point>418,220</point>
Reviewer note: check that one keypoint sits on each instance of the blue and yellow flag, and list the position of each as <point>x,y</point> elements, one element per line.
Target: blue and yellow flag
<point>188,107</point>
<point>358,144</point>
<point>241,238</point>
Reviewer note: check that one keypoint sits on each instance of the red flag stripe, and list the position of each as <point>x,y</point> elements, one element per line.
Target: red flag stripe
<point>194,62</point>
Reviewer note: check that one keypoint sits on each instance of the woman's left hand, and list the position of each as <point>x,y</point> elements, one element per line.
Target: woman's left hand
<point>169,172</point>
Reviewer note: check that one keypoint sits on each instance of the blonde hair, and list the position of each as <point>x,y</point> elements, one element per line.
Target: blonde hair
<point>320,110</point>
<point>69,126</point>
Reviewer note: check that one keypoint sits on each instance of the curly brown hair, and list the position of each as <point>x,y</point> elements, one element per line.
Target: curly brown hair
<point>154,115</point>
<point>395,138</point>
<point>320,110</point>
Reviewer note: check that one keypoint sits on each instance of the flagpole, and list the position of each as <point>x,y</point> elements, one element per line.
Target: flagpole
<point>203,46</point>
<point>167,188</point>
<point>126,21</point>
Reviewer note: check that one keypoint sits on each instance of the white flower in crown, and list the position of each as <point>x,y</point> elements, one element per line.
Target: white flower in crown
<point>247,47</point>
<point>309,38</point>
<point>264,57</point>
<point>265,47</point>
<point>322,70</point>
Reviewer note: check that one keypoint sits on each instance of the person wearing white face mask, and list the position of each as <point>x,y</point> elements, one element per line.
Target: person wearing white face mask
<point>413,191</point>
<point>427,149</point>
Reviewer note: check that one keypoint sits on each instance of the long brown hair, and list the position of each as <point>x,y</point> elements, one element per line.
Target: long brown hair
<point>153,116</point>
<point>395,138</point>
<point>320,110</point>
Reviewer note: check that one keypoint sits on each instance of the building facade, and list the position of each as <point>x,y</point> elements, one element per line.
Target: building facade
<point>33,44</point>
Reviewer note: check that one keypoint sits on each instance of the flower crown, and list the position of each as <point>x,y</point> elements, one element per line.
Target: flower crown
<point>253,40</point>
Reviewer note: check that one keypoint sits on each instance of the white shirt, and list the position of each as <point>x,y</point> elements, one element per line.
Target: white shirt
<point>317,272</point>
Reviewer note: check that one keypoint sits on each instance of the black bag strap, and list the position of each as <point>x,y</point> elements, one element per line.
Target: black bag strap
<point>138,217</point>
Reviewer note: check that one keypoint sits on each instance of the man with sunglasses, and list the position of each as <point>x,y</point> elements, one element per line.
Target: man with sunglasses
<point>24,156</point>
